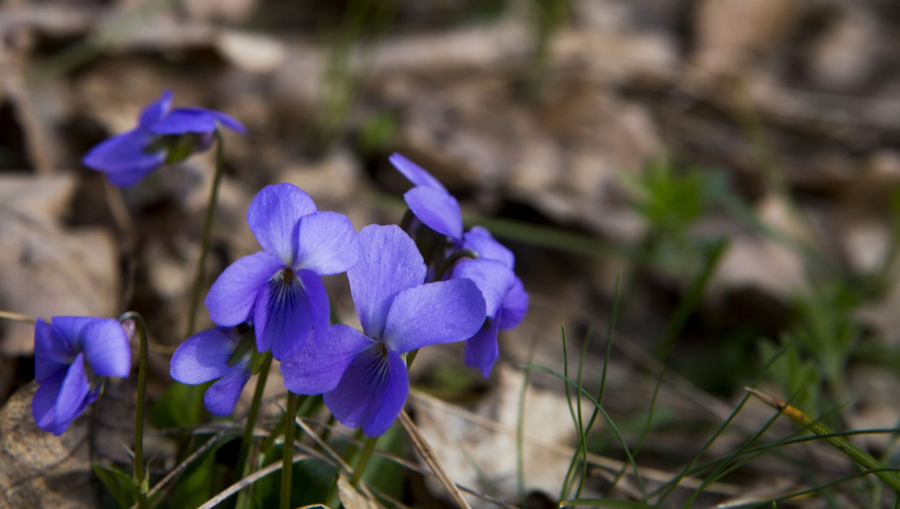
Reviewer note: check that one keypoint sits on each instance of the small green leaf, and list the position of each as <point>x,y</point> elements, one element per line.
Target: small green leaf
<point>120,485</point>
<point>245,346</point>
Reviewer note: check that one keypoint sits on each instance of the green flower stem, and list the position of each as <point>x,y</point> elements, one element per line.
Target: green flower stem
<point>363,461</point>
<point>448,264</point>
<point>140,476</point>
<point>207,233</point>
<point>288,456</point>
<point>242,466</point>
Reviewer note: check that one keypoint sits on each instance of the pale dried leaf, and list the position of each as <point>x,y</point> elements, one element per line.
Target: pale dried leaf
<point>351,498</point>
<point>38,469</point>
<point>47,271</point>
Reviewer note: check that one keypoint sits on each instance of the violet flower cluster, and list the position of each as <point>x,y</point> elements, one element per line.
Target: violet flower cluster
<point>464,290</point>
<point>429,283</point>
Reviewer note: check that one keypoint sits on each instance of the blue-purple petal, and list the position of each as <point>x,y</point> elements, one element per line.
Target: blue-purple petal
<point>52,352</point>
<point>318,302</point>
<point>204,356</point>
<point>480,240</point>
<point>124,158</point>
<point>515,305</point>
<point>415,173</point>
<point>317,369</point>
<point>70,327</point>
<point>106,347</point>
<point>284,316</point>
<point>492,277</point>
<point>372,391</point>
<point>389,262</point>
<point>231,299</point>
<point>73,393</point>
<point>43,405</point>
<point>185,120</point>
<point>326,244</point>
<point>394,398</point>
<point>156,110</point>
<point>441,312</point>
<point>437,209</point>
<point>274,217</point>
<point>482,349</point>
<point>221,396</point>
<point>229,122</point>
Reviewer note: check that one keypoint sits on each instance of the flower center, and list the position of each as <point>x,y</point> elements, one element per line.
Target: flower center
<point>287,274</point>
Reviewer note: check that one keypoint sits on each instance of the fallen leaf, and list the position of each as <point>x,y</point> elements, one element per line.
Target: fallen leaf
<point>351,498</point>
<point>39,469</point>
<point>45,270</point>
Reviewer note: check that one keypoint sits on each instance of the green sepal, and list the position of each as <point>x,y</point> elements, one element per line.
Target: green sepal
<point>246,345</point>
<point>258,360</point>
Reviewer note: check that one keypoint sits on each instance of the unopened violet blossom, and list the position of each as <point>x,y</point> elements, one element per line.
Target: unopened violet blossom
<point>163,135</point>
<point>280,288</point>
<point>505,297</point>
<point>363,374</point>
<point>207,356</point>
<point>429,200</point>
<point>71,355</point>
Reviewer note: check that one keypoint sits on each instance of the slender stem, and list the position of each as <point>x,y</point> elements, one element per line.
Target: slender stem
<point>17,317</point>
<point>288,456</point>
<point>451,260</point>
<point>207,233</point>
<point>363,461</point>
<point>242,466</point>
<point>140,477</point>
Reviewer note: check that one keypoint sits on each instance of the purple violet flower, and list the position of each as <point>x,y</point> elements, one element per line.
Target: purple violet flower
<point>429,200</point>
<point>280,288</point>
<point>505,296</point>
<point>162,136</point>
<point>204,357</point>
<point>363,376</point>
<point>71,353</point>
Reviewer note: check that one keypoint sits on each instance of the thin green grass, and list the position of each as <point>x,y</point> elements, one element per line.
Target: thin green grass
<point>667,488</point>
<point>719,471</point>
<point>520,428</point>
<point>607,418</point>
<point>585,430</point>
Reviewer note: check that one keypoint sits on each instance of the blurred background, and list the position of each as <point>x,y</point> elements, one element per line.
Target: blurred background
<point>723,173</point>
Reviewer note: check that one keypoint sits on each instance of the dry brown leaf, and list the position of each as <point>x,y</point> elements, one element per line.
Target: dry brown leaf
<point>462,446</point>
<point>38,469</point>
<point>351,498</point>
<point>45,270</point>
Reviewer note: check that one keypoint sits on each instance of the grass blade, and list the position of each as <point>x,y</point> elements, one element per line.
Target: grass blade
<point>609,421</point>
<point>520,426</point>
<point>671,485</point>
<point>860,457</point>
<point>605,502</point>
